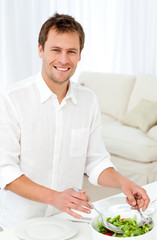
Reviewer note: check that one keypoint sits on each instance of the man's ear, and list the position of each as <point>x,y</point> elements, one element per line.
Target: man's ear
<point>40,51</point>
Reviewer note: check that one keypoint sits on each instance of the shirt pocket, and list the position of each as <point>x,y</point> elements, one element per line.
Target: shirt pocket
<point>79,142</point>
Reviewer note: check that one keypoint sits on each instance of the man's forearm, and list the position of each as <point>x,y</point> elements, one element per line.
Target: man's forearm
<point>110,178</point>
<point>26,188</point>
<point>64,201</point>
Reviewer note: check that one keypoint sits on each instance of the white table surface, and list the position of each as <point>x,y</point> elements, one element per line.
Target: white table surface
<point>84,232</point>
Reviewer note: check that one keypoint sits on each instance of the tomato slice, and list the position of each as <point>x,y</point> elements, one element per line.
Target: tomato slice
<point>109,234</point>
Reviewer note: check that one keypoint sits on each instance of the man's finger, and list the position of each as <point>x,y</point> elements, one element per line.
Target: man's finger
<point>131,200</point>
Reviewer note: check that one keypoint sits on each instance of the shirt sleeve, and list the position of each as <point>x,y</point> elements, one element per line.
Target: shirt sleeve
<point>9,143</point>
<point>98,158</point>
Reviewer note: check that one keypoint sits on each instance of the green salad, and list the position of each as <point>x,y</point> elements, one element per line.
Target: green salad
<point>128,225</point>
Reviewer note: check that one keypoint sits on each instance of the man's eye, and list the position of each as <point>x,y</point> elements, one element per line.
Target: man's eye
<point>74,52</point>
<point>55,50</point>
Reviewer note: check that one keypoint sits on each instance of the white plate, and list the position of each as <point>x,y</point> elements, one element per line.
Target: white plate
<point>125,208</point>
<point>46,228</point>
<point>119,204</point>
<point>105,204</point>
<point>111,201</point>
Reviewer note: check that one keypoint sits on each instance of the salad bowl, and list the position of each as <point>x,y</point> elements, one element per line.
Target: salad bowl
<point>100,236</point>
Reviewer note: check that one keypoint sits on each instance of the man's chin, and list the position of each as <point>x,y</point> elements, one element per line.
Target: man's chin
<point>56,78</point>
<point>60,81</point>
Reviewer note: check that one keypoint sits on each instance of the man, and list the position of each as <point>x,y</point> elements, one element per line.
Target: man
<point>50,134</point>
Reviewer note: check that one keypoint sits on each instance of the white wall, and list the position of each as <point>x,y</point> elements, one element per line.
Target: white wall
<point>121,35</point>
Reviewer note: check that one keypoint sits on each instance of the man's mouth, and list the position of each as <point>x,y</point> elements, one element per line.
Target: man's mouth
<point>62,69</point>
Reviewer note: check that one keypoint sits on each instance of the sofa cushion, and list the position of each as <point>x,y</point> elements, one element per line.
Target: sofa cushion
<point>152,133</point>
<point>112,90</point>
<point>107,119</point>
<point>130,169</point>
<point>145,87</point>
<point>143,116</point>
<point>129,142</point>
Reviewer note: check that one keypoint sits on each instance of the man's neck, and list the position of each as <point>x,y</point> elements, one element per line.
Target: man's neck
<point>60,89</point>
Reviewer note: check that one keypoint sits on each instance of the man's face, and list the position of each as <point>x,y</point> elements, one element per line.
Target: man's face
<point>60,55</point>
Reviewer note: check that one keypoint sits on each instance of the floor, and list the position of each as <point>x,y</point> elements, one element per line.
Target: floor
<point>96,193</point>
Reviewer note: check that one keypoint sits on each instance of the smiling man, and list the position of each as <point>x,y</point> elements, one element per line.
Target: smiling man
<point>50,134</point>
<point>60,53</point>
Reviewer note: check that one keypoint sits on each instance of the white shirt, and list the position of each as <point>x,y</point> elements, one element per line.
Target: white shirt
<point>53,144</point>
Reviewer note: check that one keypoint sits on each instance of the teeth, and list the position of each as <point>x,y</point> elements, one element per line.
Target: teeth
<point>62,69</point>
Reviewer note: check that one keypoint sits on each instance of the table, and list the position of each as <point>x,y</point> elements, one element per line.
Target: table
<point>84,232</point>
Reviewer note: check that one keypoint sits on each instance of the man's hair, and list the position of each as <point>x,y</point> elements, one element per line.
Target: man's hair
<point>61,23</point>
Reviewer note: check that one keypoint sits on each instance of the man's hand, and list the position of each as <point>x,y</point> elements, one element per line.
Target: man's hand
<point>131,190</point>
<point>63,201</point>
<point>111,178</point>
<point>70,199</point>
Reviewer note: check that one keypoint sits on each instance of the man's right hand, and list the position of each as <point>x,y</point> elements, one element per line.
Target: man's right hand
<point>70,199</point>
<point>64,201</point>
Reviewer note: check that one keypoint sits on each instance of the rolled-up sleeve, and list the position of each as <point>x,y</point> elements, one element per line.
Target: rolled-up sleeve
<point>98,159</point>
<point>9,143</point>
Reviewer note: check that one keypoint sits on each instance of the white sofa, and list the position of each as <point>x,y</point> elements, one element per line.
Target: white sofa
<point>133,149</point>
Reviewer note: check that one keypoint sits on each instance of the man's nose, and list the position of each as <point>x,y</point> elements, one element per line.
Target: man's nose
<point>63,58</point>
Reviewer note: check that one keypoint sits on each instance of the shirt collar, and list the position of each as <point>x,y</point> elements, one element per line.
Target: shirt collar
<point>71,93</point>
<point>46,93</point>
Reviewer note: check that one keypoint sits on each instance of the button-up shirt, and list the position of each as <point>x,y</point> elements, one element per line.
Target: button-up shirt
<point>52,144</point>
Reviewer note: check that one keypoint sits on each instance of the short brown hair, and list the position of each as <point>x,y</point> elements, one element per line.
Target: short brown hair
<point>62,23</point>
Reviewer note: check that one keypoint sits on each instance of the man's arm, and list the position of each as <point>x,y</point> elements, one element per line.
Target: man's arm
<point>63,201</point>
<point>111,178</point>
<point>100,169</point>
<point>11,177</point>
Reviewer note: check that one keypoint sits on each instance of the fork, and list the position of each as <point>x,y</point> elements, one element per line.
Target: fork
<point>144,220</point>
<point>106,224</point>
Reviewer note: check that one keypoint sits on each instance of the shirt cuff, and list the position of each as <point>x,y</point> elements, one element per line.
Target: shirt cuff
<point>8,175</point>
<point>93,178</point>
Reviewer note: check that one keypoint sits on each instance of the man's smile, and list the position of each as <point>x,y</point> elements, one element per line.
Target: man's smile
<point>61,68</point>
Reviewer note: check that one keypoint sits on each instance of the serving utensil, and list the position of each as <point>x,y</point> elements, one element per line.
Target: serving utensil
<point>106,224</point>
<point>144,220</point>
